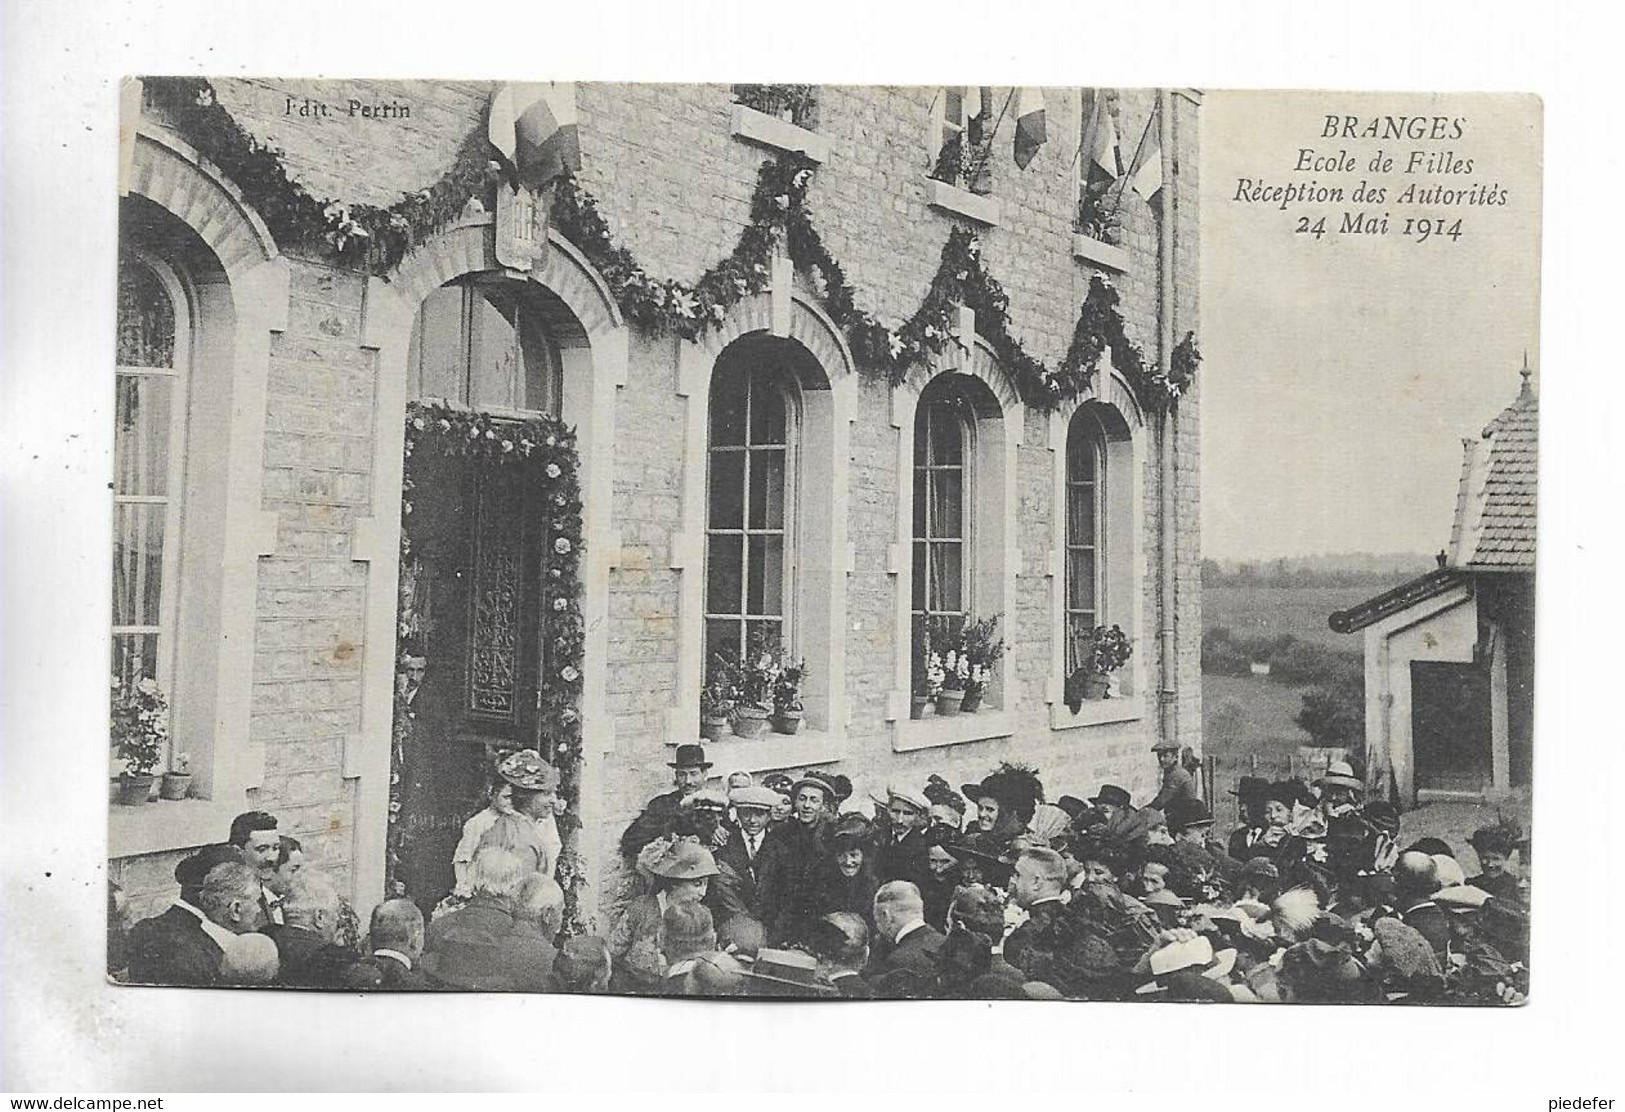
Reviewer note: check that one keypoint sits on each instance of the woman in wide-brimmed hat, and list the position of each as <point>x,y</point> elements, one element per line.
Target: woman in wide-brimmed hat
<point>525,786</point>
<point>1005,802</point>
<point>941,876</point>
<point>846,879</point>
<point>681,872</point>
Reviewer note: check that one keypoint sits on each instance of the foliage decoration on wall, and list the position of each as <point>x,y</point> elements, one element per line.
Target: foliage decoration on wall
<point>372,238</point>
<point>546,448</point>
<point>376,239</point>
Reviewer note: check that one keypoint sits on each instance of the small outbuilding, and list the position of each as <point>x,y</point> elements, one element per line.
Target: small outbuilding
<point>1449,656</point>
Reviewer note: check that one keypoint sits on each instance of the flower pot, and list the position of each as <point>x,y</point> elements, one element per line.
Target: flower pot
<point>787,723</point>
<point>713,728</point>
<point>175,785</point>
<point>918,705</point>
<point>134,790</point>
<point>972,701</point>
<point>750,722</point>
<point>1096,687</point>
<point>949,701</point>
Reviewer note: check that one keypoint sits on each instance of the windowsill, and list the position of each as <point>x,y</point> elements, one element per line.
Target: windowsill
<point>161,824</point>
<point>951,729</point>
<point>778,134</point>
<point>962,202</point>
<point>1099,252</point>
<point>770,751</point>
<point>1096,712</point>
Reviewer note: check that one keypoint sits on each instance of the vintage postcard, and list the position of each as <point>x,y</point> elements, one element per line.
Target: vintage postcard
<point>823,541</point>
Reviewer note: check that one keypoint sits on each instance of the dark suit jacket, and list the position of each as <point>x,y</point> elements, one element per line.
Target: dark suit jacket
<point>907,970</point>
<point>904,860</point>
<point>173,949</point>
<point>478,947</point>
<point>1432,922</point>
<point>381,973</point>
<point>651,823</point>
<point>743,883</point>
<point>852,986</point>
<point>788,871</point>
<point>308,960</point>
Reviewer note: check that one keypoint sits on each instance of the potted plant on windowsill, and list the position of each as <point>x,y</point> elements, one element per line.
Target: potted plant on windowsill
<point>715,709</point>
<point>753,686</point>
<point>983,649</point>
<point>140,727</point>
<point>927,678</point>
<point>1105,651</point>
<point>787,707</point>
<point>178,780</point>
<point>948,657</point>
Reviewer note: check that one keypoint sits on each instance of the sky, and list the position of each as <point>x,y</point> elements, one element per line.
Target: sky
<point>1340,373</point>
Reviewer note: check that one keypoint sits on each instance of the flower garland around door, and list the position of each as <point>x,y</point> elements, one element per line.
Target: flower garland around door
<point>546,448</point>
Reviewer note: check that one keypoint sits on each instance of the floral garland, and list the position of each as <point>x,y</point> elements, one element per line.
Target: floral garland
<point>378,238</point>
<point>547,448</point>
<point>373,238</point>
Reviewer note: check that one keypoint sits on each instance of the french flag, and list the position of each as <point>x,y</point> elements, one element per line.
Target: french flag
<point>1029,125</point>
<point>533,126</point>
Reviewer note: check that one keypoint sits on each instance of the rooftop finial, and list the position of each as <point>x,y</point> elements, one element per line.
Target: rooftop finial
<point>1525,391</point>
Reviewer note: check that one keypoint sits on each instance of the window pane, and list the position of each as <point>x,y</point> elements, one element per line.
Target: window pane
<point>946,585</point>
<point>1080,580</point>
<point>727,490</point>
<point>769,634</point>
<point>947,504</point>
<point>767,416</point>
<point>146,317</point>
<point>727,409</point>
<point>719,635</point>
<point>918,602</point>
<point>138,562</point>
<point>722,568</point>
<point>544,374</point>
<point>141,434</point>
<point>441,351</point>
<point>494,350</point>
<point>1078,628</point>
<point>767,489</point>
<point>135,657</point>
<point>1080,514</point>
<point>765,594</point>
<point>947,435</point>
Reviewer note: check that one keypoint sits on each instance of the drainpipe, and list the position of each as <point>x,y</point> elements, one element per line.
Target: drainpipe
<point>1168,697</point>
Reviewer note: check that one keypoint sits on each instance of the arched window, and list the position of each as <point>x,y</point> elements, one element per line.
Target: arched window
<point>149,459</point>
<point>749,463</point>
<point>944,426</point>
<point>482,342</point>
<point>1085,528</point>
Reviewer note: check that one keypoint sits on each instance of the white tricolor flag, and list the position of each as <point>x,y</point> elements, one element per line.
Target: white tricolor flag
<point>1145,173</point>
<point>1100,141</point>
<point>533,126</point>
<point>1030,132</point>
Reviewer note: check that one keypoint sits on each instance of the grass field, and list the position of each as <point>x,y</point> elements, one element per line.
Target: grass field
<point>1300,611</point>
<point>1248,720</point>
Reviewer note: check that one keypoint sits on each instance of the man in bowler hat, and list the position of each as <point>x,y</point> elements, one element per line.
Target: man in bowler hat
<point>689,770</point>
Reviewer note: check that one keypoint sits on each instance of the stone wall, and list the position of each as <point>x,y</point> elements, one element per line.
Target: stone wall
<point>675,186</point>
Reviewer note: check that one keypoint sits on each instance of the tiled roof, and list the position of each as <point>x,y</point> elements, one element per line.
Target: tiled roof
<point>1402,597</point>
<point>1495,503</point>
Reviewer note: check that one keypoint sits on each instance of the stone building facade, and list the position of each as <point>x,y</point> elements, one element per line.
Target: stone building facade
<point>276,629</point>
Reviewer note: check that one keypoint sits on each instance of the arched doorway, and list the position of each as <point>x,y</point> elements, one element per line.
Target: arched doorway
<point>473,592</point>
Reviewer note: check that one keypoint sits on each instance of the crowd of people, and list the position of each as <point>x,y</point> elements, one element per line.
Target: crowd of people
<point>991,891</point>
<point>791,887</point>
